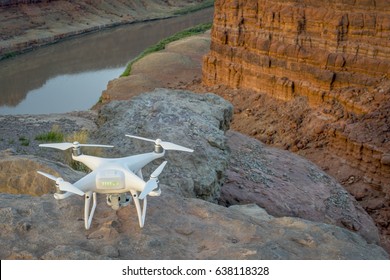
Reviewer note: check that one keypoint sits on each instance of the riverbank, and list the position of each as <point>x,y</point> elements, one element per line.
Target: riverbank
<point>25,27</point>
<point>175,66</point>
<point>86,63</point>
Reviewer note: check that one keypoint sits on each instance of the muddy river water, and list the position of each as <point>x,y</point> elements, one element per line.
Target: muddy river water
<point>71,75</point>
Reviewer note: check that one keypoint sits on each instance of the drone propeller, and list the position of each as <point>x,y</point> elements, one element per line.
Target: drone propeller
<point>165,145</point>
<point>63,185</point>
<point>75,145</point>
<point>152,183</point>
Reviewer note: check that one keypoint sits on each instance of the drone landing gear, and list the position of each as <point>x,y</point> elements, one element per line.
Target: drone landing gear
<point>140,211</point>
<point>120,200</point>
<point>87,213</point>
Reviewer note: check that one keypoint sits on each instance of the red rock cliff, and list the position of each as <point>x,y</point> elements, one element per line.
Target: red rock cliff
<point>299,47</point>
<point>328,52</point>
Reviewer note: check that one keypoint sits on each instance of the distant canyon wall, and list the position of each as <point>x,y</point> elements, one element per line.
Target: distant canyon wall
<point>320,50</point>
<point>301,47</point>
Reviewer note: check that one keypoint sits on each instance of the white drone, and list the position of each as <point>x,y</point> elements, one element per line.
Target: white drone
<point>116,177</point>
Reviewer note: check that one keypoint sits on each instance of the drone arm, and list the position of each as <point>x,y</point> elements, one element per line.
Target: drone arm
<point>59,196</point>
<point>140,211</point>
<point>90,161</point>
<point>137,162</point>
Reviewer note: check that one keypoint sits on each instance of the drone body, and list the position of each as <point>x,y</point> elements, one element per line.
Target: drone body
<point>120,179</point>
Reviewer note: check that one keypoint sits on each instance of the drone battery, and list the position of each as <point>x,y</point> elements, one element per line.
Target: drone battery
<point>110,179</point>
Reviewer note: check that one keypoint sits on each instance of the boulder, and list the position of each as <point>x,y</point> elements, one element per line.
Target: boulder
<point>286,184</point>
<point>18,174</point>
<point>192,120</point>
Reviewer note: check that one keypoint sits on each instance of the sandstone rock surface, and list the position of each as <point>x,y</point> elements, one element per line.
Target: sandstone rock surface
<point>285,184</point>
<point>176,228</point>
<point>178,225</point>
<point>18,174</point>
<point>191,120</point>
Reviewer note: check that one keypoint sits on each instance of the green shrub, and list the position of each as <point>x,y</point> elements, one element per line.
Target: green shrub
<point>51,136</point>
<point>24,141</point>
<point>194,8</point>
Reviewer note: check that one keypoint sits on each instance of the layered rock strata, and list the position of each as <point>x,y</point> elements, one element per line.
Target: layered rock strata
<point>288,48</point>
<point>335,54</point>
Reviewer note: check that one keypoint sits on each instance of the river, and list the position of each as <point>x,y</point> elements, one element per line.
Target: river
<point>71,75</point>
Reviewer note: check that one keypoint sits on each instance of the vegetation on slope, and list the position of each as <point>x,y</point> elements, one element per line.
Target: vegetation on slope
<point>191,9</point>
<point>161,45</point>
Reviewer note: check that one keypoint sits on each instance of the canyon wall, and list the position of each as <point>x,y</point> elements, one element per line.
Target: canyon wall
<point>334,53</point>
<point>299,47</point>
